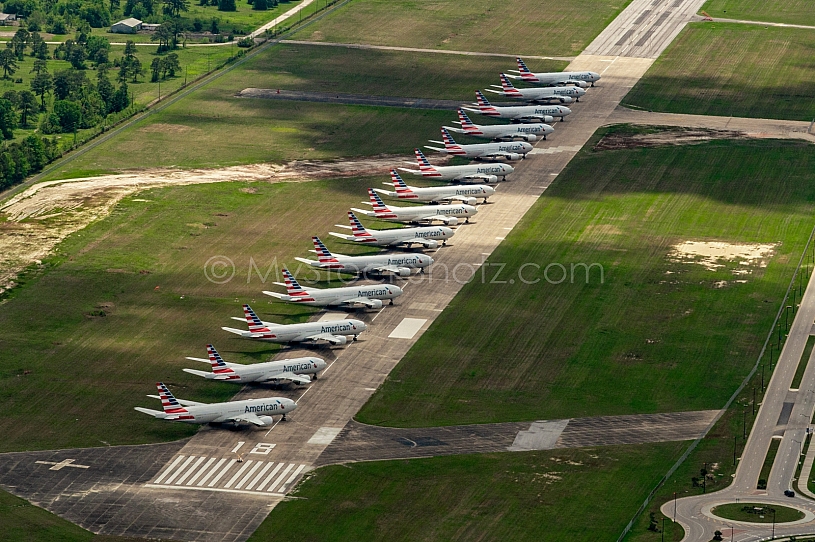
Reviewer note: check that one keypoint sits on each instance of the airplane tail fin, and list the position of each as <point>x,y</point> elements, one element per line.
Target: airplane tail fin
<point>508,87</point>
<point>523,70</point>
<point>399,185</point>
<point>252,320</point>
<point>483,103</point>
<point>356,226</point>
<point>323,254</point>
<point>292,286</point>
<point>168,400</point>
<point>377,203</point>
<point>424,165</point>
<point>466,124</point>
<point>219,366</point>
<point>449,143</point>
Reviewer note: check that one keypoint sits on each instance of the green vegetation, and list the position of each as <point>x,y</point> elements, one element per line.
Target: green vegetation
<point>769,459</point>
<point>554,495</point>
<point>564,28</point>
<point>122,302</point>
<point>24,522</point>
<point>732,70</point>
<point>802,363</point>
<point>758,513</point>
<point>658,326</point>
<point>775,11</point>
<point>189,133</point>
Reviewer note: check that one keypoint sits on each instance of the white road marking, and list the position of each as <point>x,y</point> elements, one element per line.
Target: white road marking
<point>240,471</point>
<point>297,471</point>
<point>189,471</point>
<point>260,475</point>
<point>238,446</point>
<point>269,478</point>
<point>330,316</point>
<point>324,435</point>
<point>201,471</point>
<point>241,491</point>
<point>407,328</point>
<point>276,482</point>
<point>220,474</point>
<point>249,474</point>
<point>211,472</point>
<point>170,468</point>
<point>61,464</point>
<point>180,469</point>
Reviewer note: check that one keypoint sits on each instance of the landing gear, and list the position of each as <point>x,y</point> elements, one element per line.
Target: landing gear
<point>544,138</point>
<point>391,303</point>
<point>284,418</point>
<point>466,220</point>
<point>561,119</point>
<point>315,376</point>
<point>354,339</point>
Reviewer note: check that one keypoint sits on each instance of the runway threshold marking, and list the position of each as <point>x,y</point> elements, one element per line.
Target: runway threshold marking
<point>324,435</point>
<point>407,328</point>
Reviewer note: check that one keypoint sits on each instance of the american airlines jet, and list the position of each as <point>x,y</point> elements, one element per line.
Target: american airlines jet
<point>437,194</point>
<point>398,264</point>
<point>511,150</point>
<point>470,172</point>
<point>448,214</point>
<point>539,94</point>
<point>519,113</point>
<point>580,79</point>
<point>334,331</point>
<point>501,132</point>
<point>426,236</point>
<point>255,411</point>
<point>369,295</point>
<point>296,370</point>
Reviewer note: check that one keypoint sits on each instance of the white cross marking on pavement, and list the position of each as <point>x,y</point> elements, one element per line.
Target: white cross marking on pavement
<point>63,463</point>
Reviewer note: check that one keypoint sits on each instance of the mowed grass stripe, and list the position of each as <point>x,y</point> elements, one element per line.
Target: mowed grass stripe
<point>735,70</point>
<point>774,11</point>
<point>658,335</point>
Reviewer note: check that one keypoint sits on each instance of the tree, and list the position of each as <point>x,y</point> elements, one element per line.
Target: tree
<point>130,49</point>
<point>8,119</point>
<point>40,66</point>
<point>97,48</point>
<point>170,65</point>
<point>8,61</point>
<point>27,106</point>
<point>68,83</point>
<point>226,5</point>
<point>164,35</point>
<point>130,67</point>
<point>19,43</point>
<point>259,5</point>
<point>155,68</point>
<point>121,99</point>
<point>213,27</point>
<point>41,50</point>
<point>42,85</point>
<point>76,56</point>
<point>12,96</point>
<point>104,87</point>
<point>173,8</point>
<point>69,115</point>
<point>34,40</point>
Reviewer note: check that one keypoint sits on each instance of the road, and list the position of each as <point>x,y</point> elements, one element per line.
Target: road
<point>785,413</point>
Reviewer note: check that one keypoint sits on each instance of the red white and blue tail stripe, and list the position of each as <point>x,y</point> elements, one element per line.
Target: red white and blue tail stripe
<point>425,166</point>
<point>219,366</point>
<point>484,105</point>
<point>526,75</point>
<point>377,203</point>
<point>323,254</point>
<point>403,191</point>
<point>252,320</point>
<point>168,401</point>
<point>466,124</point>
<point>509,88</point>
<point>357,228</point>
<point>292,286</point>
<point>450,144</point>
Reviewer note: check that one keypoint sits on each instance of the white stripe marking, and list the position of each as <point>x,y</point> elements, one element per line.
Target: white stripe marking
<point>220,474</point>
<point>201,471</point>
<point>238,446</point>
<point>189,471</point>
<point>249,474</point>
<point>170,468</point>
<point>269,478</point>
<point>179,470</point>
<point>297,471</point>
<point>285,472</point>
<point>260,475</point>
<point>240,471</point>
<point>241,491</point>
<point>211,472</point>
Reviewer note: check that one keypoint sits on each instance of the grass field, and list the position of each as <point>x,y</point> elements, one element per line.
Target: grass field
<point>90,333</point>
<point>519,27</point>
<point>190,133</point>
<point>732,70</point>
<point>556,495</point>
<point>774,11</point>
<point>24,522</point>
<point>782,514</point>
<point>660,330</point>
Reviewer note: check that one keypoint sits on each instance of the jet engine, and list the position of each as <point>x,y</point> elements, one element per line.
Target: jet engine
<point>529,137</point>
<point>402,272</point>
<point>376,303</point>
<point>469,201</point>
<point>491,178</point>
<point>340,340</point>
<point>513,156</point>
<point>565,99</point>
<point>451,221</point>
<point>432,243</point>
<point>581,84</point>
<point>267,420</point>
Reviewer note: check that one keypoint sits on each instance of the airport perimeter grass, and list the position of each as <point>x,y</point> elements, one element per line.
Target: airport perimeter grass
<point>212,127</point>
<point>517,27</point>
<point>735,70</point>
<point>775,11</point>
<point>126,299</point>
<point>554,495</point>
<point>23,522</point>
<point>657,335</point>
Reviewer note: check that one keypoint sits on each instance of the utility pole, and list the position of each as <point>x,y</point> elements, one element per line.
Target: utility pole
<point>754,400</point>
<point>704,479</point>
<point>674,506</point>
<point>762,374</point>
<point>744,422</point>
<point>735,439</point>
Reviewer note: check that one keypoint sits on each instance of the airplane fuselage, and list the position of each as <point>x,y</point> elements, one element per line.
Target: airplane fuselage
<point>300,332</point>
<point>219,412</point>
<point>523,112</point>
<point>400,236</point>
<point>260,372</point>
<point>371,264</point>
<point>509,131</point>
<point>423,212</point>
<point>510,150</point>
<point>455,173</point>
<point>441,193</point>
<point>339,296</point>
<point>559,78</point>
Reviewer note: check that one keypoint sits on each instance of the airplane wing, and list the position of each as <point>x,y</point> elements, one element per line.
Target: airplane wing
<point>472,110</point>
<point>312,263</point>
<point>366,212</point>
<point>342,236</point>
<point>456,130</point>
<point>494,91</point>
<point>154,413</point>
<point>414,171</point>
<point>333,339</point>
<point>386,192</point>
<point>249,417</point>
<point>275,294</point>
<point>181,402</point>
<point>473,177</point>
<point>364,301</point>
<point>202,360</point>
<point>242,332</point>
<point>436,149</point>
<point>298,379</point>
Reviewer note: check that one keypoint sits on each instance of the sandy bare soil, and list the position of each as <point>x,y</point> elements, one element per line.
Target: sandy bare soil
<point>33,222</point>
<point>670,136</point>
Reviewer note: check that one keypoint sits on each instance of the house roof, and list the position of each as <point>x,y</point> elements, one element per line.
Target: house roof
<point>129,22</point>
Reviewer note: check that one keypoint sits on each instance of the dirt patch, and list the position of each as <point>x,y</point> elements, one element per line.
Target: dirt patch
<point>669,136</point>
<point>70,205</point>
<point>714,255</point>
<point>164,128</point>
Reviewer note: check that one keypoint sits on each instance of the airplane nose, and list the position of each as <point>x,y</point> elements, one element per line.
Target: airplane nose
<point>397,290</point>
<point>508,169</point>
<point>320,363</point>
<point>290,405</point>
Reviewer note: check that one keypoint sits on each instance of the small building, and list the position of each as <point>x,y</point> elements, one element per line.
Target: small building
<point>7,18</point>
<point>149,27</point>
<point>127,26</point>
